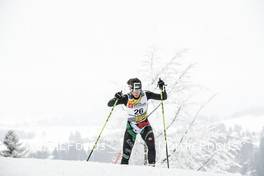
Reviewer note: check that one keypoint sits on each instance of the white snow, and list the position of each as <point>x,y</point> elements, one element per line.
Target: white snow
<point>38,167</point>
<point>251,123</point>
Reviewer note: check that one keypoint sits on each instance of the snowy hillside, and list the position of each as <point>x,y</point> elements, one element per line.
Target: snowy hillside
<point>250,122</point>
<point>33,167</point>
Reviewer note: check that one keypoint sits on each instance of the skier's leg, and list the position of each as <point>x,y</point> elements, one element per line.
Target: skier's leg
<point>129,140</point>
<point>148,136</point>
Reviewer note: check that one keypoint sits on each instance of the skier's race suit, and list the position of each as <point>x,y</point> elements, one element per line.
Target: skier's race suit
<point>138,122</point>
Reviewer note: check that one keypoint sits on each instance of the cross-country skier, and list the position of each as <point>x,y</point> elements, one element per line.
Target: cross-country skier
<point>136,102</point>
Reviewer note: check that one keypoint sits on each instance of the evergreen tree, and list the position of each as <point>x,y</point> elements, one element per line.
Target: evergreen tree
<point>260,157</point>
<point>41,154</point>
<point>13,145</point>
<point>75,137</point>
<point>72,150</point>
<point>246,158</point>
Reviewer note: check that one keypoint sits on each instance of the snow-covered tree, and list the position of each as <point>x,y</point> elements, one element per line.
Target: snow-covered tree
<point>260,157</point>
<point>75,137</point>
<point>14,147</point>
<point>72,150</point>
<point>193,143</point>
<point>41,154</point>
<point>246,157</point>
<point>207,148</point>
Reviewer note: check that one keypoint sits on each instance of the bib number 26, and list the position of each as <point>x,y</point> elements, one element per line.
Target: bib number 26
<point>138,111</point>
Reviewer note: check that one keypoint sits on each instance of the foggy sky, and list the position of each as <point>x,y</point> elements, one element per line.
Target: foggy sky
<point>71,56</point>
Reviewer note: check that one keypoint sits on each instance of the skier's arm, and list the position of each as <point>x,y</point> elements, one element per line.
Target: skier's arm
<point>122,100</point>
<point>155,96</point>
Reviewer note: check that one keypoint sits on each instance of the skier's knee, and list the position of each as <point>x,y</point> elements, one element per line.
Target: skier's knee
<point>150,141</point>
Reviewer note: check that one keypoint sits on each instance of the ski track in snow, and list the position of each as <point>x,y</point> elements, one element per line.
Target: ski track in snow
<point>39,167</point>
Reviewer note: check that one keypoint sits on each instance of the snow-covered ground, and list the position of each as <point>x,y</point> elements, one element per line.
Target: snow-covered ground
<point>38,167</point>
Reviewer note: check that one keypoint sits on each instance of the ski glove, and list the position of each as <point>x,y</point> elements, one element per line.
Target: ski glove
<point>161,84</point>
<point>118,95</point>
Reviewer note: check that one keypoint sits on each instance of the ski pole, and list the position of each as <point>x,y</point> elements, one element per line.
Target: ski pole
<point>102,130</point>
<point>171,123</point>
<point>164,126</point>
